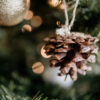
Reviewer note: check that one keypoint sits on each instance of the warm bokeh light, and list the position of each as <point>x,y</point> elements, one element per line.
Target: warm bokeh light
<point>38,68</point>
<point>28,3</point>
<point>44,54</point>
<point>36,21</point>
<point>58,23</point>
<point>54,3</point>
<point>57,3</point>
<point>61,6</point>
<point>29,15</point>
<point>26,28</point>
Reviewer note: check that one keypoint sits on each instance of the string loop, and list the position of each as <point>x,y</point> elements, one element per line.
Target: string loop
<point>68,26</point>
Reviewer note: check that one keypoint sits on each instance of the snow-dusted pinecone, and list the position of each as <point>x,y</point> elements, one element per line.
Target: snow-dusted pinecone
<point>72,53</point>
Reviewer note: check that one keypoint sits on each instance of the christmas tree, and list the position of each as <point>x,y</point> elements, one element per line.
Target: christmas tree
<point>24,73</point>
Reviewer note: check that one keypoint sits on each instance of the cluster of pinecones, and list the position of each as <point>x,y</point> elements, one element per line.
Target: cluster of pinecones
<point>72,53</point>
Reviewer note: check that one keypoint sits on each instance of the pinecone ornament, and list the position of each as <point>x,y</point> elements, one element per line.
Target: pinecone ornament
<point>71,53</point>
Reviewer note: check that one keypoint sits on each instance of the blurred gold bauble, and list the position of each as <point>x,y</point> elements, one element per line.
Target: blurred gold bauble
<point>12,12</point>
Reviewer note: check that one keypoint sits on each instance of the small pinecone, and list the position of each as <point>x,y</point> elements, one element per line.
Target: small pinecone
<point>72,53</point>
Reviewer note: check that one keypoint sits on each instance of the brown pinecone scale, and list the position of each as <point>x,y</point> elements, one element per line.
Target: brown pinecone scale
<point>71,53</point>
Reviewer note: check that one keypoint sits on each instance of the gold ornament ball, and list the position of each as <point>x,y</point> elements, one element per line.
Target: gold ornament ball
<point>12,12</point>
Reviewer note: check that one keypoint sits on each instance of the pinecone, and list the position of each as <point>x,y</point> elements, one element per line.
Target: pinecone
<point>71,53</point>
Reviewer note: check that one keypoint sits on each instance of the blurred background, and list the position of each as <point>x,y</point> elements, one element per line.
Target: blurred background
<point>19,51</point>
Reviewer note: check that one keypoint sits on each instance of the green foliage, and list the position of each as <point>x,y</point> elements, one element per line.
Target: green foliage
<point>6,94</point>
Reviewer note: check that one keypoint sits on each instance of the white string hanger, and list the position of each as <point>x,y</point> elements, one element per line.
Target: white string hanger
<point>68,26</point>
<point>74,15</point>
<point>66,16</point>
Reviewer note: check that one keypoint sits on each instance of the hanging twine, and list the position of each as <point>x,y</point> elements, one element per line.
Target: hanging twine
<point>68,26</point>
<point>74,15</point>
<point>66,16</point>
